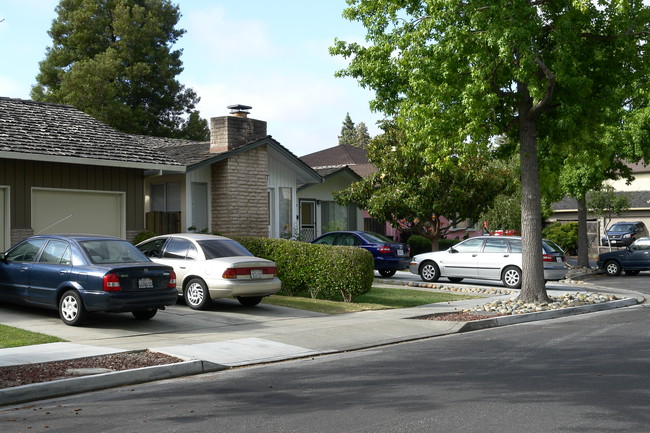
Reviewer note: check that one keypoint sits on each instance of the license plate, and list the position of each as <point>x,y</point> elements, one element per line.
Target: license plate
<point>400,252</point>
<point>558,259</point>
<point>256,274</point>
<point>145,283</point>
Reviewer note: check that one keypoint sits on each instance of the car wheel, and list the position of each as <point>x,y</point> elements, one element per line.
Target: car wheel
<point>612,268</point>
<point>632,273</point>
<point>71,309</point>
<point>196,294</point>
<point>429,272</point>
<point>144,314</point>
<point>249,301</point>
<point>386,273</point>
<point>455,279</point>
<point>511,277</point>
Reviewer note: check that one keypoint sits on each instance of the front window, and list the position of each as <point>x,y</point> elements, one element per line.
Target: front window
<point>621,228</point>
<point>469,246</point>
<point>25,252</point>
<point>284,217</point>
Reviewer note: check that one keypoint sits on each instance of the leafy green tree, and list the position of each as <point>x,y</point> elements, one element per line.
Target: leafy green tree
<point>544,73</point>
<point>421,197</point>
<point>113,60</point>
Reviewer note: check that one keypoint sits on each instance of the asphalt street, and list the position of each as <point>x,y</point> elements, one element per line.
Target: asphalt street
<point>585,373</point>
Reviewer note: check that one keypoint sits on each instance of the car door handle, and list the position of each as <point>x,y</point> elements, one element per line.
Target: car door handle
<point>63,271</point>
<point>506,255</point>
<point>474,255</point>
<point>24,268</point>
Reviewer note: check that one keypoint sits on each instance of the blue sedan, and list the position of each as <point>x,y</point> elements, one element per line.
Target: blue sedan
<point>82,274</point>
<point>390,256</point>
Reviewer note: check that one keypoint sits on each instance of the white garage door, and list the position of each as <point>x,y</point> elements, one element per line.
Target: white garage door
<point>80,212</point>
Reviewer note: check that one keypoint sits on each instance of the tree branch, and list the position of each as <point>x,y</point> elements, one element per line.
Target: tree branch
<point>550,86</point>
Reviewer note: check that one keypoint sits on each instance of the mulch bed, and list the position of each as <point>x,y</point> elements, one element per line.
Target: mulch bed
<point>48,371</point>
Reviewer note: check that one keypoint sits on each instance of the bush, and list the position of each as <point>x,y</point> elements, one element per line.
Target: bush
<point>565,235</point>
<point>445,244</point>
<point>419,244</point>
<point>325,271</point>
<point>143,236</point>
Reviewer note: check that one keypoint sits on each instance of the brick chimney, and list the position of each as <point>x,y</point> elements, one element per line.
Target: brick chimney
<point>236,130</point>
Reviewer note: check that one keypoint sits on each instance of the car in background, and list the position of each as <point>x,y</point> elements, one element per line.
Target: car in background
<point>82,274</point>
<point>487,258</point>
<point>389,256</point>
<point>210,267</point>
<point>623,233</point>
<point>632,259</point>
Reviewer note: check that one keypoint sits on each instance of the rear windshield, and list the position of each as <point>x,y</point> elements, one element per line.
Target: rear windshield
<point>551,247</point>
<point>216,248</point>
<point>113,251</point>
<point>376,238</point>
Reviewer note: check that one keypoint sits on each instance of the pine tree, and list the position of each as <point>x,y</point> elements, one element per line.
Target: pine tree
<point>348,132</point>
<point>112,59</point>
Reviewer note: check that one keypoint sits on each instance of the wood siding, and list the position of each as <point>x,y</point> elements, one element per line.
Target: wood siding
<point>21,176</point>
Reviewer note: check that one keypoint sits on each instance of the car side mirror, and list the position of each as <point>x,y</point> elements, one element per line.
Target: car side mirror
<point>452,250</point>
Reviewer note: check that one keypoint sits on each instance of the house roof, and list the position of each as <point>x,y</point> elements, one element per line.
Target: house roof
<point>196,154</point>
<point>61,133</point>
<point>355,158</point>
<point>637,200</point>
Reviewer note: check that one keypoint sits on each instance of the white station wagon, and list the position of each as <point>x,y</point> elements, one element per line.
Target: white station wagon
<point>209,267</point>
<point>486,258</point>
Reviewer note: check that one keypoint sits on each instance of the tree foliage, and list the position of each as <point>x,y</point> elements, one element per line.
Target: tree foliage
<point>113,60</point>
<point>544,74</point>
<point>354,135</point>
<point>420,197</point>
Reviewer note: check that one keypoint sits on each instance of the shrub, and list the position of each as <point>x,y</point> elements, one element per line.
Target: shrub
<point>565,235</point>
<point>419,244</point>
<point>143,236</point>
<point>445,244</point>
<point>325,271</point>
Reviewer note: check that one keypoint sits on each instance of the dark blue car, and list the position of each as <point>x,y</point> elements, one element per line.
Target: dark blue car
<point>82,274</point>
<point>390,256</point>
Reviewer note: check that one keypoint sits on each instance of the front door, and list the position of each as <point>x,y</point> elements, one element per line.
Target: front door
<point>307,220</point>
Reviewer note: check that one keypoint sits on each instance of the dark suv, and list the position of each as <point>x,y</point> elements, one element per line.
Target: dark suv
<point>624,233</point>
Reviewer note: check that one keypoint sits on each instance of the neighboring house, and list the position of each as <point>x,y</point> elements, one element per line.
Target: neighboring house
<point>637,192</point>
<point>340,166</point>
<point>61,171</point>
<point>242,182</point>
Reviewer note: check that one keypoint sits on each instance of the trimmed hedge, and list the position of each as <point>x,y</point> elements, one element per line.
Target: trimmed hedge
<point>325,271</point>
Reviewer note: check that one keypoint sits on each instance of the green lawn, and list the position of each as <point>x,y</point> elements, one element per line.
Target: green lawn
<point>378,298</point>
<point>15,337</point>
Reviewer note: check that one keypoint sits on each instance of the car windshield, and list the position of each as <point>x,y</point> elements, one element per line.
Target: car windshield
<point>618,228</point>
<point>217,248</point>
<point>376,238</point>
<point>112,251</point>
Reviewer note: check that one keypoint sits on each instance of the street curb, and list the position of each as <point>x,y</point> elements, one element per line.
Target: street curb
<point>545,315</point>
<point>77,385</point>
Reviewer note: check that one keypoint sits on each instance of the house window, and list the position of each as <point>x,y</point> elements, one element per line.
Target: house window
<point>284,217</point>
<point>166,197</point>
<point>336,217</point>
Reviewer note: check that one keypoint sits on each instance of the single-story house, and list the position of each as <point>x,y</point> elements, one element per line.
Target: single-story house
<point>65,172</point>
<point>61,171</point>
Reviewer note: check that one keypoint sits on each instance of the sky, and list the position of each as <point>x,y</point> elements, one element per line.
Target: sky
<point>271,55</point>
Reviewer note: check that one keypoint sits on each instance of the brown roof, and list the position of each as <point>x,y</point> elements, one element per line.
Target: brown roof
<point>339,156</point>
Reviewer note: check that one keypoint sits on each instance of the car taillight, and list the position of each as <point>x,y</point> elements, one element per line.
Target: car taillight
<point>172,280</point>
<point>112,283</point>
<point>548,258</point>
<point>231,273</point>
<point>385,249</point>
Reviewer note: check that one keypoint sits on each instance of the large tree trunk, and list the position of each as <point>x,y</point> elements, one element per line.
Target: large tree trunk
<point>533,284</point>
<point>583,240</point>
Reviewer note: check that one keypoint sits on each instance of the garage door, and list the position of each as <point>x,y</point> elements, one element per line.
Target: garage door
<point>81,212</point>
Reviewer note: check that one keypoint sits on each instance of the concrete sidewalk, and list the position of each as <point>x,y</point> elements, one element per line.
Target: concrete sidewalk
<point>229,336</point>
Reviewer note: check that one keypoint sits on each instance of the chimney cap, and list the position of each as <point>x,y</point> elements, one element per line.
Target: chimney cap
<point>239,108</point>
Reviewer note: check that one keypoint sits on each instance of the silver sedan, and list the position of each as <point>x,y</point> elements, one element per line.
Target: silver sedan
<point>486,258</point>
